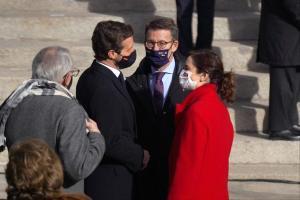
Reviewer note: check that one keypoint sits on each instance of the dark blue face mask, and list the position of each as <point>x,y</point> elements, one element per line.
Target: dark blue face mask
<point>127,61</point>
<point>157,58</point>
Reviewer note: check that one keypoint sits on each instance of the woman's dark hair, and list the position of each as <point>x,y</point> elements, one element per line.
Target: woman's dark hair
<point>209,62</point>
<point>108,35</point>
<point>34,172</point>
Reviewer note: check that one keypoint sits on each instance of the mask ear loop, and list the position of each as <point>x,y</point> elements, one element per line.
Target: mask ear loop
<point>190,81</point>
<point>169,50</point>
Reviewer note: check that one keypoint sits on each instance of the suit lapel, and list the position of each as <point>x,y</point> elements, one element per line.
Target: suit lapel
<point>145,96</point>
<point>118,85</point>
<point>123,91</point>
<point>175,88</point>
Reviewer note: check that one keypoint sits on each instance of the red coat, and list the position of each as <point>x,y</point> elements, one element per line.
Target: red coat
<point>199,156</point>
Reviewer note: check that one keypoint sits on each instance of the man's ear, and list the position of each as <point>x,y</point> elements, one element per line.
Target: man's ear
<point>67,80</point>
<point>112,55</point>
<point>174,46</point>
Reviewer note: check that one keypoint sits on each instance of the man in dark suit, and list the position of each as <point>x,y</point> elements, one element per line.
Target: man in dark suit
<point>205,26</point>
<point>101,90</point>
<point>279,46</point>
<point>155,90</point>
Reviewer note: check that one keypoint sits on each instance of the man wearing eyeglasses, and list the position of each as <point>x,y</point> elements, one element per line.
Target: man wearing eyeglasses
<point>155,90</point>
<point>43,107</point>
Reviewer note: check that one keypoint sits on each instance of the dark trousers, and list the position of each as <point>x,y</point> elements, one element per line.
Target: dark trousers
<point>152,183</point>
<point>284,95</point>
<point>205,10</point>
<point>109,182</point>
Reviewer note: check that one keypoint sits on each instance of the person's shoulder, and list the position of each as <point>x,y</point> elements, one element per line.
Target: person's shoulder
<point>87,73</point>
<point>65,105</point>
<point>140,73</point>
<point>179,62</point>
<point>94,77</point>
<point>142,69</point>
<point>62,100</point>
<point>199,107</point>
<point>73,196</point>
<point>49,100</point>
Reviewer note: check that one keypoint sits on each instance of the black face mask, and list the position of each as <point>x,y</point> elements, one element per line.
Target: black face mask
<point>127,61</point>
<point>157,58</point>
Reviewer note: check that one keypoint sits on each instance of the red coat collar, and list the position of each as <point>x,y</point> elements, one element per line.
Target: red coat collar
<point>196,95</point>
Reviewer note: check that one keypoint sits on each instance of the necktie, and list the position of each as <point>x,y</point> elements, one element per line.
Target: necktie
<point>121,79</point>
<point>158,93</point>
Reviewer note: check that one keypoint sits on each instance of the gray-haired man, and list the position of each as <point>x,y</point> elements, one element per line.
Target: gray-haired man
<point>43,108</point>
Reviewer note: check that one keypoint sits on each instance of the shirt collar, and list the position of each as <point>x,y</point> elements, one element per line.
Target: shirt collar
<point>168,70</point>
<point>114,70</point>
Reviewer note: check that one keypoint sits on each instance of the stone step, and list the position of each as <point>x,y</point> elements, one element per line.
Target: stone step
<point>251,157</point>
<point>252,116</point>
<point>252,85</point>
<point>246,115</point>
<point>254,148</point>
<point>249,85</point>
<point>19,53</point>
<point>169,5</point>
<point>118,5</point>
<point>248,149</point>
<point>263,190</point>
<point>240,189</point>
<point>238,5</point>
<point>249,116</point>
<point>275,172</point>
<point>74,26</point>
<point>43,5</point>
<point>237,56</point>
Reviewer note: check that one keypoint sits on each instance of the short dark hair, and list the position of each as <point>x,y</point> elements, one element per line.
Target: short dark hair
<point>107,36</point>
<point>163,23</point>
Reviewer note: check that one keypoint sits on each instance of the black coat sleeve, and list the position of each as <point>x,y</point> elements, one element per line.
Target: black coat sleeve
<point>293,8</point>
<point>106,109</point>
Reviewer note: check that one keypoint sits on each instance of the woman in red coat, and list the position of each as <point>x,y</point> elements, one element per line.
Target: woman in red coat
<point>199,157</point>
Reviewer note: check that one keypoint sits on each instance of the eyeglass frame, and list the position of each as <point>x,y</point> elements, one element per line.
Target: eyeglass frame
<point>159,46</point>
<point>74,72</point>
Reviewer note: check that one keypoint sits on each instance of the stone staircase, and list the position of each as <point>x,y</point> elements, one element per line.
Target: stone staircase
<point>29,25</point>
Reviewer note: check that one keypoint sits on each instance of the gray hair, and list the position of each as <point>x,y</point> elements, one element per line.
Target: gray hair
<point>52,63</point>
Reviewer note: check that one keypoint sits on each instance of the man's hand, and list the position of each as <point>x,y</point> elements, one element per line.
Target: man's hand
<point>91,126</point>
<point>146,159</point>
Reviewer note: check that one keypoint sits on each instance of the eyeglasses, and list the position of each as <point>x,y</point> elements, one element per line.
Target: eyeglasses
<point>73,73</point>
<point>161,44</point>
